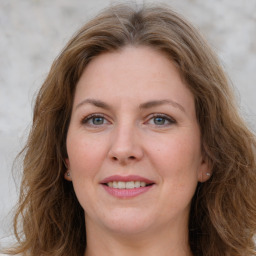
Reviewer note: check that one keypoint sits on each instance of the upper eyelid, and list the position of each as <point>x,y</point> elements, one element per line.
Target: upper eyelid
<point>90,116</point>
<point>168,117</point>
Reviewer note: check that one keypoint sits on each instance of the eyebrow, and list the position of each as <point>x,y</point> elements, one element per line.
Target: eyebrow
<point>146,105</point>
<point>156,103</point>
<point>97,103</point>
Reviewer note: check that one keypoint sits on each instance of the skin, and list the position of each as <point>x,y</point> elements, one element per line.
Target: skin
<point>160,142</point>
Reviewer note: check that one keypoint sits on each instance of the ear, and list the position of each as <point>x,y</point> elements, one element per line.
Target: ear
<point>67,174</point>
<point>204,172</point>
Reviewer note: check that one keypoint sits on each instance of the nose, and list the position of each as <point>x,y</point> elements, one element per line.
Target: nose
<point>126,145</point>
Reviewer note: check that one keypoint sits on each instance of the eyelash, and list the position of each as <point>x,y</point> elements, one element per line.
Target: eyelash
<point>167,118</point>
<point>89,118</point>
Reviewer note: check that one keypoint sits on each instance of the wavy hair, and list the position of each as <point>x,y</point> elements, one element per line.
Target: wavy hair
<point>49,219</point>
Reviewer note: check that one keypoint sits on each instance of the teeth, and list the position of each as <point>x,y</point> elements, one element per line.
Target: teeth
<point>115,184</point>
<point>127,185</point>
<point>120,184</point>
<point>137,184</point>
<point>143,184</point>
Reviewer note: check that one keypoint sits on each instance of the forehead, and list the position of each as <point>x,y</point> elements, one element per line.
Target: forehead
<point>138,59</point>
<point>133,72</point>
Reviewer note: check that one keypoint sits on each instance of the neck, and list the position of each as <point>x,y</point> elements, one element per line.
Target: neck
<point>162,242</point>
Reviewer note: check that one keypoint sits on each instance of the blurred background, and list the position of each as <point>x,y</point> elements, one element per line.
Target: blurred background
<point>33,32</point>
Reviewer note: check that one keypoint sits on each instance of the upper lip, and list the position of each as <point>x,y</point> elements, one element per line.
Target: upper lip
<point>126,179</point>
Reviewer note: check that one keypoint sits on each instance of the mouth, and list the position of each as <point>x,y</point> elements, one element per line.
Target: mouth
<point>126,186</point>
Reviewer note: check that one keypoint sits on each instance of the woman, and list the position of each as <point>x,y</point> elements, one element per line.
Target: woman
<point>137,147</point>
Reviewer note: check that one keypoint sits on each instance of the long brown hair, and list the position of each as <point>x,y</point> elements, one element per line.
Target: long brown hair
<point>49,219</point>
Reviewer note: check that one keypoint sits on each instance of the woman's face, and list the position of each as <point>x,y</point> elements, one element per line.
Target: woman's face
<point>133,143</point>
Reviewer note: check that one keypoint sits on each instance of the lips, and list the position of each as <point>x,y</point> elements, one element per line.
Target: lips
<point>126,186</point>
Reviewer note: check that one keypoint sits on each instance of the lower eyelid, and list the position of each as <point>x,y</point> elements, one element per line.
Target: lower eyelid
<point>167,118</point>
<point>86,119</point>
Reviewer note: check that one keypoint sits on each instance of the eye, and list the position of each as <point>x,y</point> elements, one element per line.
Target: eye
<point>161,120</point>
<point>95,120</point>
<point>98,120</point>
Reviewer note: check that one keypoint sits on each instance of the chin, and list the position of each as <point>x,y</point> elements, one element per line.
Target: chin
<point>128,222</point>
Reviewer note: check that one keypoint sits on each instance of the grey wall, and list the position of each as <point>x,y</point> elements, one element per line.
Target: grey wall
<point>32,33</point>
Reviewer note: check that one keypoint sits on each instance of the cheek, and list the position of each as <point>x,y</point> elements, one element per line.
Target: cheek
<point>85,155</point>
<point>177,158</point>
<point>177,161</point>
<point>85,162</point>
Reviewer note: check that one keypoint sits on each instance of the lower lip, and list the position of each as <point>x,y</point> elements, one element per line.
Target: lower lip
<point>126,193</point>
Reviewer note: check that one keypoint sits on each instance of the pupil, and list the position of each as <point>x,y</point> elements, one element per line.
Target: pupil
<point>159,120</point>
<point>98,120</point>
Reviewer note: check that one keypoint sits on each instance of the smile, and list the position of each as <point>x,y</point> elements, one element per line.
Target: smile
<point>127,185</point>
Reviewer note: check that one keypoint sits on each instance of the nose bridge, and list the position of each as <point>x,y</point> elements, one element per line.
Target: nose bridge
<point>125,144</point>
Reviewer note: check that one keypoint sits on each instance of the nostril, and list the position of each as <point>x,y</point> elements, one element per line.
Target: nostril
<point>115,158</point>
